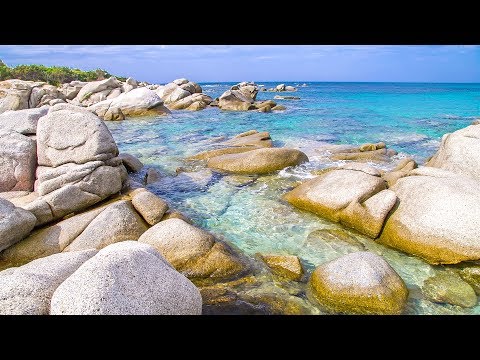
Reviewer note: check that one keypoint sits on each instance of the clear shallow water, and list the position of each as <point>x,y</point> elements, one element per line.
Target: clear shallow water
<point>410,118</point>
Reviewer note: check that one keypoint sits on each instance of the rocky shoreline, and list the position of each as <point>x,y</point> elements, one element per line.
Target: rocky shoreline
<point>79,236</point>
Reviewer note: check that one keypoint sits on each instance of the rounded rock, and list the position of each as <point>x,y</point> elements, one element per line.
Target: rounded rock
<point>358,283</point>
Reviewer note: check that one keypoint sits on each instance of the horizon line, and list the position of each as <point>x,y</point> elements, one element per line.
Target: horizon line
<point>333,81</point>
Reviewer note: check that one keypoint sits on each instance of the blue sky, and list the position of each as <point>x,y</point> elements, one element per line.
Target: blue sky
<point>203,63</point>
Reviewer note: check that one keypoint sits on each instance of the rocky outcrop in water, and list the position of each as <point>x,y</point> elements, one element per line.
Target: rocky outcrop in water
<point>280,88</point>
<point>437,216</point>
<point>358,283</point>
<point>240,143</point>
<point>354,198</point>
<point>240,97</point>
<point>137,102</point>
<point>258,161</point>
<point>250,152</point>
<point>182,94</point>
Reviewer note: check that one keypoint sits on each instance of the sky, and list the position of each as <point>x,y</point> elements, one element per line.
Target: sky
<point>262,63</point>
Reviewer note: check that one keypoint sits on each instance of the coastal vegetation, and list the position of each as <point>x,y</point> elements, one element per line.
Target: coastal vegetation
<point>53,75</point>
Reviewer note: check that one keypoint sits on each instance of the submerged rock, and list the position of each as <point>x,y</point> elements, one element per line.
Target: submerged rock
<point>471,275</point>
<point>285,266</point>
<point>353,198</point>
<point>358,283</point>
<point>259,161</point>
<point>448,287</point>
<point>332,243</point>
<point>126,278</point>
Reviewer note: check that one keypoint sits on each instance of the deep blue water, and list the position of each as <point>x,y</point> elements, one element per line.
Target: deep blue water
<point>410,118</point>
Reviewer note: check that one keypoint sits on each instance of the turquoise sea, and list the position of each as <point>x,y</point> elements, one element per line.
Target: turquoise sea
<point>249,213</point>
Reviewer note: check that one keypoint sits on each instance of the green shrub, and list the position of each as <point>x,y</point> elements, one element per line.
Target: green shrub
<point>54,75</point>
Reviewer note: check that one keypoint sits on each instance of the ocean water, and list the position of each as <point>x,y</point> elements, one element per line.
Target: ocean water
<point>248,211</point>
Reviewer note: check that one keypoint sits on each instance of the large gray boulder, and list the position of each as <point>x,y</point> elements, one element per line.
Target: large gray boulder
<point>18,160</point>
<point>437,218</point>
<point>127,278</point>
<point>68,136</point>
<point>22,121</point>
<point>460,152</point>
<point>15,224</point>
<point>137,102</point>
<point>358,283</point>
<point>118,222</point>
<point>352,197</point>
<point>96,91</point>
<point>78,162</point>
<point>27,290</point>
